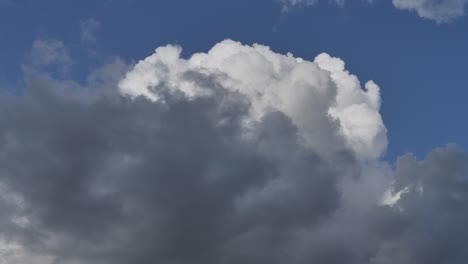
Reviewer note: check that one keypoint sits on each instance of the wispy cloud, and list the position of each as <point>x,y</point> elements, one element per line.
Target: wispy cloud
<point>438,10</point>
<point>49,53</point>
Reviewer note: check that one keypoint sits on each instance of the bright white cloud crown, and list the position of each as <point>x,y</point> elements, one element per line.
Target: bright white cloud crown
<point>314,94</point>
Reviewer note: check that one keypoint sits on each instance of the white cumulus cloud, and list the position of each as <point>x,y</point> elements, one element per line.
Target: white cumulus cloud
<point>316,95</point>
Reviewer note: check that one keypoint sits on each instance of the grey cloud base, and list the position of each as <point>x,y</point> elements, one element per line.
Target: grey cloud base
<point>435,208</point>
<point>101,177</point>
<point>159,182</point>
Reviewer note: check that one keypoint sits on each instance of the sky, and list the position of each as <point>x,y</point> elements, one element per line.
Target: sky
<point>221,131</point>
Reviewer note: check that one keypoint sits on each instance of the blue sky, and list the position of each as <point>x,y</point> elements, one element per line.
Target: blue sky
<point>420,64</point>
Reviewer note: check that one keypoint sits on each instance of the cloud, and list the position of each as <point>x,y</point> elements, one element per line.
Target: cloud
<point>49,53</point>
<point>88,30</point>
<point>321,98</point>
<point>441,11</point>
<point>290,4</point>
<point>433,208</point>
<point>237,155</point>
<point>438,10</point>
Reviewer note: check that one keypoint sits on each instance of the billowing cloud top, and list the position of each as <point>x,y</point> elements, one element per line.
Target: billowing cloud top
<point>316,95</point>
<point>438,10</point>
<point>238,155</point>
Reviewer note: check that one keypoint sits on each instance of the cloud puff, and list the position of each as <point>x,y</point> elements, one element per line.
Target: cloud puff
<point>48,54</point>
<point>290,4</point>
<point>321,98</point>
<point>238,155</point>
<point>441,11</point>
<point>438,10</point>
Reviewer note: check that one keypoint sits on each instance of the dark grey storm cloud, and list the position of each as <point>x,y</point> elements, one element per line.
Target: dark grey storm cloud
<point>90,176</point>
<point>165,182</point>
<point>434,209</point>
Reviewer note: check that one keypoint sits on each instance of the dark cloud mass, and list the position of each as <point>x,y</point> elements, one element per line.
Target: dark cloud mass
<point>165,182</point>
<point>434,209</point>
<point>92,177</point>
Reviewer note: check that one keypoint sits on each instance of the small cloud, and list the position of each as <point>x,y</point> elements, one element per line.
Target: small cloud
<point>289,4</point>
<point>437,10</point>
<point>88,30</point>
<point>48,53</point>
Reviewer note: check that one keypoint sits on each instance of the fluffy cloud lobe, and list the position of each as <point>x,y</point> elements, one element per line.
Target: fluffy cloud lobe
<point>323,100</point>
<point>237,155</point>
